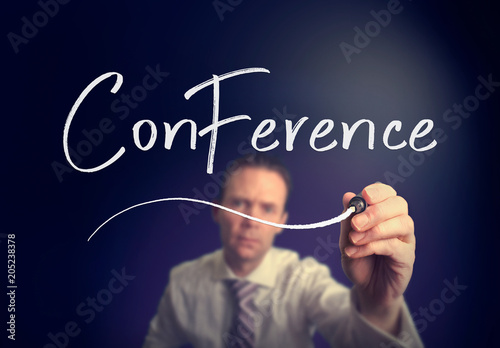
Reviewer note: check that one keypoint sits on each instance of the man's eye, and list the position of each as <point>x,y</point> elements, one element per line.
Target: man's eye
<point>237,203</point>
<point>269,209</point>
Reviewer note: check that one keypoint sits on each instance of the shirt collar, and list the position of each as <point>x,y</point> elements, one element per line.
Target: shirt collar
<point>265,274</point>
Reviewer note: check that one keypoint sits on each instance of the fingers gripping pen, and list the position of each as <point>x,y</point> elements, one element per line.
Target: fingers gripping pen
<point>357,203</point>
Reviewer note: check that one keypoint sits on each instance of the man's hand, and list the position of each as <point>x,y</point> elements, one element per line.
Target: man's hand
<point>378,251</point>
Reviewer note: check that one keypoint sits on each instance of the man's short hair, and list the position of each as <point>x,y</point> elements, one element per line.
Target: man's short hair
<point>258,160</point>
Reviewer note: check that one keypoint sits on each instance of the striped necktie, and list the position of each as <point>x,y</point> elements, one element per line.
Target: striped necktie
<point>242,333</point>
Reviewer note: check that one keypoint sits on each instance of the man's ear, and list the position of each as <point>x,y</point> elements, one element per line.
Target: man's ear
<point>283,220</point>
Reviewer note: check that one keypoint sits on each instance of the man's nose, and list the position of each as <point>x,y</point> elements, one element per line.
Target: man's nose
<point>252,211</point>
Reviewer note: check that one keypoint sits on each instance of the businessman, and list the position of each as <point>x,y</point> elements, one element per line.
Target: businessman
<point>252,294</point>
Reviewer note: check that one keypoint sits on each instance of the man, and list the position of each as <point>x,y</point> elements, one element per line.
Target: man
<point>251,294</point>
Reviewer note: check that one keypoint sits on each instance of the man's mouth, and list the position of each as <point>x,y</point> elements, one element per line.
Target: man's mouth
<point>248,240</point>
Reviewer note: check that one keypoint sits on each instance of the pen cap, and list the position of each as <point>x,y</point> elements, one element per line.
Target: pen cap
<point>359,204</point>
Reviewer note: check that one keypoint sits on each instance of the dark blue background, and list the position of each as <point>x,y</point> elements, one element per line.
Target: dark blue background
<point>427,59</point>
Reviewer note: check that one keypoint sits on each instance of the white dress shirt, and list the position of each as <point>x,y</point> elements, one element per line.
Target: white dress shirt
<point>294,298</point>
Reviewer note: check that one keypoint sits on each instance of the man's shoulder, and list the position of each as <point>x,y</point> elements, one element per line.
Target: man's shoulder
<point>295,272</point>
<point>200,267</point>
<point>291,261</point>
<point>283,256</point>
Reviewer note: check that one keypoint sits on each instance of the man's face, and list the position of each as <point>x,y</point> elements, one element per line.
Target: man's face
<point>258,192</point>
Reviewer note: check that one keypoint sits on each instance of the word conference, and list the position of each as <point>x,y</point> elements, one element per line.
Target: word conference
<point>264,129</point>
